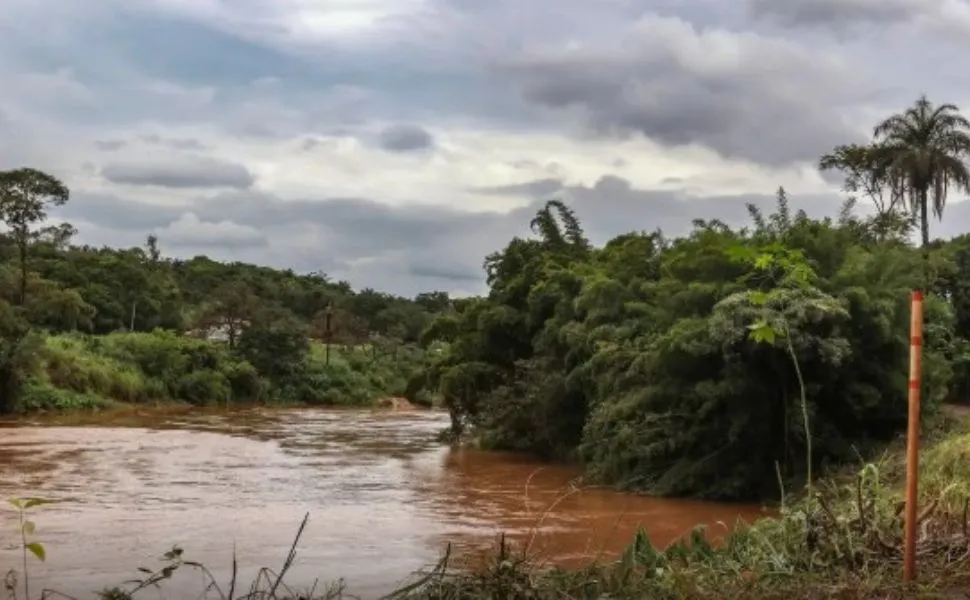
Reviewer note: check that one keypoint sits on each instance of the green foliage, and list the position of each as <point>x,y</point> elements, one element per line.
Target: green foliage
<point>197,330</point>
<point>921,155</point>
<point>83,371</point>
<point>276,343</point>
<point>26,528</point>
<point>695,366</point>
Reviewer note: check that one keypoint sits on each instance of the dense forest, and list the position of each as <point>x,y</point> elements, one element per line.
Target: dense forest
<point>718,363</point>
<point>81,325</point>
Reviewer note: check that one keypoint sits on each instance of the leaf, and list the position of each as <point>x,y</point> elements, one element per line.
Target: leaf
<point>758,297</point>
<point>16,503</point>
<point>763,261</point>
<point>37,549</point>
<point>29,527</point>
<point>762,332</point>
<point>740,254</point>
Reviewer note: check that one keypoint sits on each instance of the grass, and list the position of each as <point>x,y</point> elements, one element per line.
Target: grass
<point>78,371</point>
<point>359,376</point>
<point>843,542</point>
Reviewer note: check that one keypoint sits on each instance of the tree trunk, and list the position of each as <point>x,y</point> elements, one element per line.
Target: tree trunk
<point>22,246</point>
<point>924,217</point>
<point>131,324</point>
<point>8,390</point>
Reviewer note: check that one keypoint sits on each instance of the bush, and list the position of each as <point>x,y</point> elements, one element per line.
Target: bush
<point>37,396</point>
<point>203,388</point>
<point>147,367</point>
<point>355,376</point>
<point>163,366</point>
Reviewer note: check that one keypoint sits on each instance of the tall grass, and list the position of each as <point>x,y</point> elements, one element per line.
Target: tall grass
<point>358,375</point>
<point>87,371</point>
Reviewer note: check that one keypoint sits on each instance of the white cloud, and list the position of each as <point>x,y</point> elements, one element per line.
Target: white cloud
<point>190,231</point>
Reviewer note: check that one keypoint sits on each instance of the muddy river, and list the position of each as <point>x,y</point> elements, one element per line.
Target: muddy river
<point>383,497</point>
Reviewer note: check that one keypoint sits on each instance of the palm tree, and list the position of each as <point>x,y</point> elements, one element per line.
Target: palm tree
<point>924,149</point>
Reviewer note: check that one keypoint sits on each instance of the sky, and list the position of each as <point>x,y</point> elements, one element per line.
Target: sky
<point>395,143</point>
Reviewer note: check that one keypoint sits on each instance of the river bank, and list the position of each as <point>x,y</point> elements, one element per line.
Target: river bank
<point>382,493</point>
<point>845,540</point>
<point>88,372</point>
<point>378,487</point>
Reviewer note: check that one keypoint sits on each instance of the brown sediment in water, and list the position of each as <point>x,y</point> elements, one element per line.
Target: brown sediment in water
<point>396,403</point>
<point>380,492</point>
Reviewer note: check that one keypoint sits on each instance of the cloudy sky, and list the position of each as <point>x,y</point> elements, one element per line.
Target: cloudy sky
<point>394,143</point>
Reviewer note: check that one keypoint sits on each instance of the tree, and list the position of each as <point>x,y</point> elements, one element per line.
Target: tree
<point>276,343</point>
<point>865,169</point>
<point>233,306</point>
<point>17,354</point>
<point>433,302</point>
<point>669,366</point>
<point>151,245</point>
<point>25,195</point>
<point>921,152</point>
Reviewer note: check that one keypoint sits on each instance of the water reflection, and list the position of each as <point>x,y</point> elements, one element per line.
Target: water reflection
<point>383,496</point>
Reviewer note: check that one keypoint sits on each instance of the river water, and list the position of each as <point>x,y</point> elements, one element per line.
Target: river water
<point>383,496</point>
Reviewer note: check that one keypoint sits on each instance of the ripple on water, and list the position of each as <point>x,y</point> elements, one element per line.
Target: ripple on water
<point>378,487</point>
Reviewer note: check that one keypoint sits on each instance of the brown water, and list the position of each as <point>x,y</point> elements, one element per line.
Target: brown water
<point>383,498</point>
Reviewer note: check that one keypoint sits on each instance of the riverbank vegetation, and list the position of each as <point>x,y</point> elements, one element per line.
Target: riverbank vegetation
<point>843,541</point>
<point>717,363</point>
<point>82,326</point>
<point>88,371</point>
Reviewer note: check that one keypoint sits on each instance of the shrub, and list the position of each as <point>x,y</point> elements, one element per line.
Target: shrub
<point>37,396</point>
<point>203,388</point>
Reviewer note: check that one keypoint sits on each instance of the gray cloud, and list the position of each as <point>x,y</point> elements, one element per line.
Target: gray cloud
<point>175,143</point>
<point>190,231</point>
<point>762,99</point>
<point>110,145</point>
<point>539,188</point>
<point>837,13</point>
<point>458,273</point>
<point>703,74</point>
<point>181,172</point>
<point>412,249</point>
<point>405,138</point>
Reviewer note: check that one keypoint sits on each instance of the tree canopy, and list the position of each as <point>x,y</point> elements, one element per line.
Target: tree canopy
<point>713,363</point>
<point>267,317</point>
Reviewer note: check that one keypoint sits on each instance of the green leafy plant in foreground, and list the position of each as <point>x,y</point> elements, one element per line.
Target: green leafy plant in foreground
<point>28,546</point>
<point>787,271</point>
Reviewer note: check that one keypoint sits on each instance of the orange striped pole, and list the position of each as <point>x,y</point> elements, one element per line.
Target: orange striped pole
<point>912,435</point>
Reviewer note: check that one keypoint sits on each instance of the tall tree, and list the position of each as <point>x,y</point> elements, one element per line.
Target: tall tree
<point>865,172</point>
<point>925,147</point>
<point>233,307</point>
<point>25,195</point>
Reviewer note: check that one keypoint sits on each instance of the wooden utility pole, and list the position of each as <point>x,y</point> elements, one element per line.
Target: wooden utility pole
<point>912,435</point>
